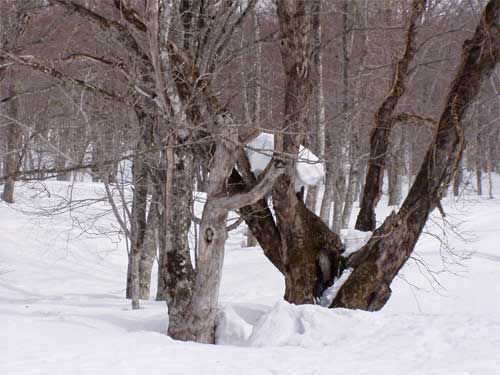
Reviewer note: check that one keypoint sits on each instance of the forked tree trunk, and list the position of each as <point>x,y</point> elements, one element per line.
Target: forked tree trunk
<point>198,318</point>
<point>378,262</point>
<point>379,139</point>
<point>304,237</point>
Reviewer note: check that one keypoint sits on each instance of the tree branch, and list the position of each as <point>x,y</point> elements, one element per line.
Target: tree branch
<point>413,119</point>
<point>44,67</point>
<point>239,200</point>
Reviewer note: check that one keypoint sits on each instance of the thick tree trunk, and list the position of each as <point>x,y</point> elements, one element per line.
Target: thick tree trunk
<point>379,139</point>
<point>198,320</point>
<point>175,270</point>
<point>378,262</point>
<point>304,237</point>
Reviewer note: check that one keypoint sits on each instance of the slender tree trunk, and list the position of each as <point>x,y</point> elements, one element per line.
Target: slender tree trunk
<point>479,162</point>
<point>339,196</point>
<point>353,179</point>
<point>148,255</point>
<point>63,141</point>
<point>458,179</point>
<point>396,171</point>
<point>379,139</point>
<point>319,107</point>
<point>12,156</point>
<point>326,202</point>
<point>137,229</point>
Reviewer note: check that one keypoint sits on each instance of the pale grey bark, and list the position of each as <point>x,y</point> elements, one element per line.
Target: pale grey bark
<point>137,229</point>
<point>150,246</point>
<point>198,322</point>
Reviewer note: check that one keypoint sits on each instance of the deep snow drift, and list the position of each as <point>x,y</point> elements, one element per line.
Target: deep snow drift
<point>62,309</point>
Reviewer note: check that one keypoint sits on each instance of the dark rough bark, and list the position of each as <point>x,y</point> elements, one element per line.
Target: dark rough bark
<point>175,270</point>
<point>303,235</point>
<point>295,46</point>
<point>378,262</point>
<point>379,139</point>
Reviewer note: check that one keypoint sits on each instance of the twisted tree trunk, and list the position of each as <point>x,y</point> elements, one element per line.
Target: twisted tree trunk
<point>379,139</point>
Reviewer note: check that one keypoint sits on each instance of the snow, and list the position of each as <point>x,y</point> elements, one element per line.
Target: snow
<point>354,240</point>
<point>330,293</point>
<point>310,170</point>
<point>62,306</point>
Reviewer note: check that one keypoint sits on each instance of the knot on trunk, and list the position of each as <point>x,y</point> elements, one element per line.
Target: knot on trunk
<point>209,235</point>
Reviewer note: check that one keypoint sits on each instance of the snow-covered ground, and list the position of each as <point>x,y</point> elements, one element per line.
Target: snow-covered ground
<point>62,306</point>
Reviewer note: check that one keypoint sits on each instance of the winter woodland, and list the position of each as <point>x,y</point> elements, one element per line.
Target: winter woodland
<point>316,177</point>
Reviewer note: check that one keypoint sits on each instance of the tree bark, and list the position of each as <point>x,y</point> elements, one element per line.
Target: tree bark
<point>137,229</point>
<point>198,323</point>
<point>175,270</point>
<point>303,235</point>
<point>12,162</point>
<point>396,170</point>
<point>149,251</point>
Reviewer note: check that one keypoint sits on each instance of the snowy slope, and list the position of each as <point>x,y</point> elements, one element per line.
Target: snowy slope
<point>62,309</point>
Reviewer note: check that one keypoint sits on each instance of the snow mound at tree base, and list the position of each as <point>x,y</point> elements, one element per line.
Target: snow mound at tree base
<point>313,326</point>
